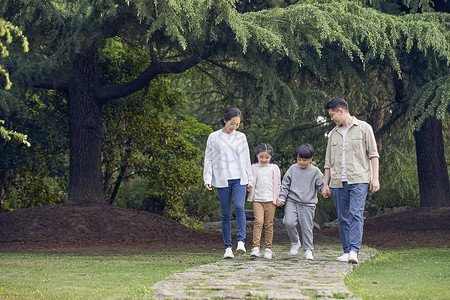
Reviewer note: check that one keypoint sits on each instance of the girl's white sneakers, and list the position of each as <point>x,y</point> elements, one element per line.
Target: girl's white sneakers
<point>228,253</point>
<point>255,252</point>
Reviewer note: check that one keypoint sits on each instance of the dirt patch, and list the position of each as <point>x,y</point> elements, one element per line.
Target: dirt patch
<point>108,229</point>
<point>98,228</point>
<point>418,227</point>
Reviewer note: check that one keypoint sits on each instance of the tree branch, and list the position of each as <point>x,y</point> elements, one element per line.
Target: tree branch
<point>109,92</point>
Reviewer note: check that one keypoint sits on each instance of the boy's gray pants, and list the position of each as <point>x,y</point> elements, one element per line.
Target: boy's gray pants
<point>303,214</point>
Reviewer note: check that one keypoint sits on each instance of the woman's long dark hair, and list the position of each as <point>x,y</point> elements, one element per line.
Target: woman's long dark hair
<point>230,114</point>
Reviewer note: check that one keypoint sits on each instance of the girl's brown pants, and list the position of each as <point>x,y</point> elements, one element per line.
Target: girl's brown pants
<point>264,213</point>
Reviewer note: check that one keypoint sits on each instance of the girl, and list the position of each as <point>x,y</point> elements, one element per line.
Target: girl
<point>227,167</point>
<point>264,196</point>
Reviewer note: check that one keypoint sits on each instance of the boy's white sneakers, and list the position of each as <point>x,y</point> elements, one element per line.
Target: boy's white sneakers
<point>228,253</point>
<point>294,248</point>
<point>308,255</point>
<point>267,253</point>
<point>240,248</point>
<point>255,252</point>
<point>343,257</point>
<point>353,257</point>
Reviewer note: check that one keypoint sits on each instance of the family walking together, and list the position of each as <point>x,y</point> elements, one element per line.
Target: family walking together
<point>351,169</point>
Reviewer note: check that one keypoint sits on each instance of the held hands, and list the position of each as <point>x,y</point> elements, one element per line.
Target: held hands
<point>326,191</point>
<point>208,187</point>
<point>249,187</point>
<point>279,203</point>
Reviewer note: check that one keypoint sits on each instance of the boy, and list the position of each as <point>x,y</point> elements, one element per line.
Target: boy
<point>299,193</point>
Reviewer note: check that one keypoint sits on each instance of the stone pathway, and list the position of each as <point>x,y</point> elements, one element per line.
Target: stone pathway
<point>283,277</point>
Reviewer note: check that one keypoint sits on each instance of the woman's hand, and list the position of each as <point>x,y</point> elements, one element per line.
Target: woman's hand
<point>208,187</point>
<point>279,203</point>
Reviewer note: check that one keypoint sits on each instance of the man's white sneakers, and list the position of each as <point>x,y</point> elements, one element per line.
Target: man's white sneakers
<point>308,255</point>
<point>255,252</point>
<point>294,248</point>
<point>240,248</point>
<point>353,257</point>
<point>267,253</point>
<point>343,257</point>
<point>228,253</point>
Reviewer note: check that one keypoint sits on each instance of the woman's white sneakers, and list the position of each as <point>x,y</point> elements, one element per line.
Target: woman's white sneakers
<point>228,253</point>
<point>240,248</point>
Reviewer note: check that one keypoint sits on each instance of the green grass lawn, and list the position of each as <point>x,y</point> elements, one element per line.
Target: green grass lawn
<point>412,274</point>
<point>62,276</point>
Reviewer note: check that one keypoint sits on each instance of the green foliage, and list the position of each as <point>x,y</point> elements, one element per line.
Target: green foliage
<point>412,274</point>
<point>8,135</point>
<point>400,186</point>
<point>31,190</point>
<point>432,100</point>
<point>392,6</point>
<point>276,64</point>
<point>146,144</point>
<point>201,205</point>
<point>133,193</point>
<point>7,34</point>
<point>24,169</point>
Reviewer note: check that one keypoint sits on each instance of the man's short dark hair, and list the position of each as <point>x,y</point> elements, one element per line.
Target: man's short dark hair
<point>304,151</point>
<point>336,103</point>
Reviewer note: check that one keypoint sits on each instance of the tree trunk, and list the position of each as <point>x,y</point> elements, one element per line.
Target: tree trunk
<point>431,166</point>
<point>85,131</point>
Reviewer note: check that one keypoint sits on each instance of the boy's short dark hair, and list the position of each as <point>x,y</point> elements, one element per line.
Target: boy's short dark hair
<point>304,151</point>
<point>336,103</point>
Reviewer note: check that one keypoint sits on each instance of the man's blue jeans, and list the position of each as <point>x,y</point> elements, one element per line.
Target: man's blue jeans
<point>350,201</point>
<point>238,191</point>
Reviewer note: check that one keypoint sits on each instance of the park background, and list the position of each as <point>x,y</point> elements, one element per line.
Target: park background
<point>105,107</point>
<point>112,101</point>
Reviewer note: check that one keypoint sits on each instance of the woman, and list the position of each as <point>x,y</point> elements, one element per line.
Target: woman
<point>228,168</point>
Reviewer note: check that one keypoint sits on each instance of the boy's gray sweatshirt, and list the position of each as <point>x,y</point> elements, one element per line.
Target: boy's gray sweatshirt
<point>301,185</point>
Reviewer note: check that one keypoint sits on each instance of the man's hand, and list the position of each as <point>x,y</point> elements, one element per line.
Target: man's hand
<point>208,187</point>
<point>374,185</point>
<point>326,191</point>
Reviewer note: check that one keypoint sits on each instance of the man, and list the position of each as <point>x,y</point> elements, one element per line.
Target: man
<point>351,168</point>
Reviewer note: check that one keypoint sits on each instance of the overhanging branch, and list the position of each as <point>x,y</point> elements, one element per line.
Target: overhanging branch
<point>108,92</point>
